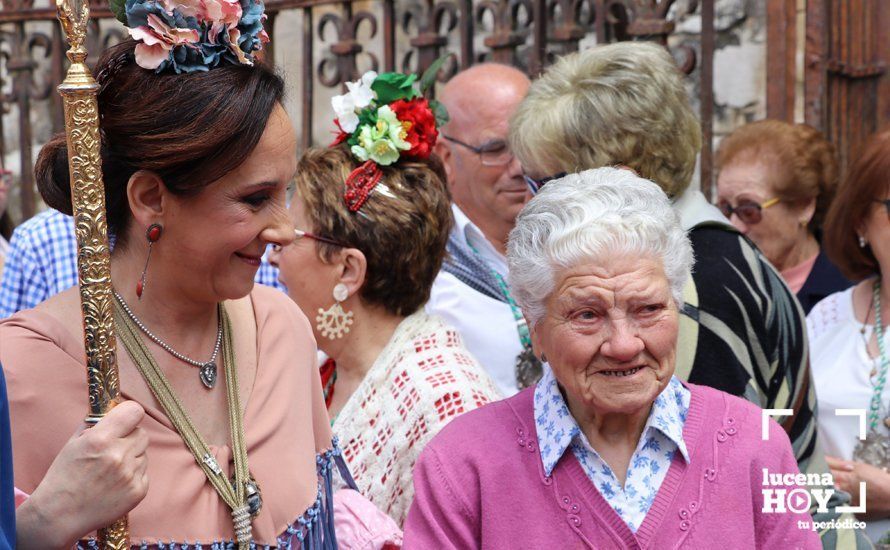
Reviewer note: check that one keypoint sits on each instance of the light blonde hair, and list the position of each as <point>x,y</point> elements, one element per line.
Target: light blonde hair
<point>617,104</point>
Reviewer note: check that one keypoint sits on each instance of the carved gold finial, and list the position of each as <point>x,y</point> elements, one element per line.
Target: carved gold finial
<point>75,26</point>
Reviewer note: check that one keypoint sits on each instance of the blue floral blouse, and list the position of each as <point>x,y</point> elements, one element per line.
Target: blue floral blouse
<point>662,436</point>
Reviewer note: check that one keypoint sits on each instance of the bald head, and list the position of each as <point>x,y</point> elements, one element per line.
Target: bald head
<point>482,91</point>
<point>484,177</point>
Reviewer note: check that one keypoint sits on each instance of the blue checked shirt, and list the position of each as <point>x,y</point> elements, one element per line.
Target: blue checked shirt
<point>662,436</point>
<point>42,261</point>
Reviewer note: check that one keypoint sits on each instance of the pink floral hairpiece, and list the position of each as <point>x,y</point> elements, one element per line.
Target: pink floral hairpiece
<point>193,35</point>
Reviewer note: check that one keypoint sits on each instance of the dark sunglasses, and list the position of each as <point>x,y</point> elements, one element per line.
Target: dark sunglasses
<point>749,212</point>
<point>535,185</point>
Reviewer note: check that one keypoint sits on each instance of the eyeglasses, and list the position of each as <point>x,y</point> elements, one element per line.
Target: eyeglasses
<point>491,153</point>
<point>535,185</point>
<point>299,234</point>
<point>749,212</point>
<point>886,203</point>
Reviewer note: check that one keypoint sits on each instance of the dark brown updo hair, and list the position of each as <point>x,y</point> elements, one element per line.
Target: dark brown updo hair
<point>401,233</point>
<point>190,129</point>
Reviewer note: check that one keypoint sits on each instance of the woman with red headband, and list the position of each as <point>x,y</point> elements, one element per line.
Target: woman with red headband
<point>372,218</point>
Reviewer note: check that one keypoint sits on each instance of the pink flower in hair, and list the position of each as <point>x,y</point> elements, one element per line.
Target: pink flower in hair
<point>219,14</point>
<point>157,39</point>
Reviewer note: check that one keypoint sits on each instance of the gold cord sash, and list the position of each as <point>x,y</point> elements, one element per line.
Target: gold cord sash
<point>129,335</point>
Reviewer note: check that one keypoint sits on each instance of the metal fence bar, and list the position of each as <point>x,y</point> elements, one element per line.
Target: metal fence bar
<point>340,38</point>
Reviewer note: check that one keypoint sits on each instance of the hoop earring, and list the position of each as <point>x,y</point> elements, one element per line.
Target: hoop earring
<point>152,235</point>
<point>862,241</point>
<point>334,323</point>
<point>543,358</point>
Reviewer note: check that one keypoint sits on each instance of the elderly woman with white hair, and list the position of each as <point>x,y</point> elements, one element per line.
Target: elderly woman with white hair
<point>609,449</point>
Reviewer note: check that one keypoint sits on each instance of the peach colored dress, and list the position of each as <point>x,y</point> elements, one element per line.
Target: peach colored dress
<point>287,433</point>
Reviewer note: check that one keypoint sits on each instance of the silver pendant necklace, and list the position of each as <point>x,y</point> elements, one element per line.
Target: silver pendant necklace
<point>875,449</point>
<point>206,369</point>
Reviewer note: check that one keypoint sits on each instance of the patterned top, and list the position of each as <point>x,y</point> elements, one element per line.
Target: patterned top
<point>42,262</point>
<point>422,379</point>
<point>743,331</point>
<point>662,436</point>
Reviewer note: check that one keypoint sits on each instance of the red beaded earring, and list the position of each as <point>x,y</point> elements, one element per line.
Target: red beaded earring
<point>151,235</point>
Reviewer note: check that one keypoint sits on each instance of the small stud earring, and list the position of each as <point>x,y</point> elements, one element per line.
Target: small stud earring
<point>862,241</point>
<point>152,235</point>
<point>543,358</point>
<point>334,323</point>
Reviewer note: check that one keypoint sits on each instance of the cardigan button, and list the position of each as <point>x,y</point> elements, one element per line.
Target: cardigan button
<point>684,525</point>
<point>547,480</point>
<point>575,520</point>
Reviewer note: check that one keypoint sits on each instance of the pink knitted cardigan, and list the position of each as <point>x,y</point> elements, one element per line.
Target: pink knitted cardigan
<point>480,484</point>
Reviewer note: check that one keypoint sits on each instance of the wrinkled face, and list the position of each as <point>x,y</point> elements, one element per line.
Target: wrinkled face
<point>220,235</point>
<point>877,232</point>
<point>480,191</point>
<point>610,334</point>
<point>310,281</point>
<point>780,227</point>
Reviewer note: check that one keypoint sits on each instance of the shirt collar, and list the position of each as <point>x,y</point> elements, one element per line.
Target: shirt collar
<point>473,236</point>
<point>556,427</point>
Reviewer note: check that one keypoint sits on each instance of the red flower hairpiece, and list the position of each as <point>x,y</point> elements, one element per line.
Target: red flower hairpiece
<point>383,118</point>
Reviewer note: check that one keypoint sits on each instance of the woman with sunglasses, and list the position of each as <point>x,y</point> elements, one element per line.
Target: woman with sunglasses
<point>372,223</point>
<point>775,185</point>
<point>849,345</point>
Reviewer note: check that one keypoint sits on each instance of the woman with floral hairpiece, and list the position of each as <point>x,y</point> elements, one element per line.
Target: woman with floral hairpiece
<point>197,153</point>
<point>372,216</point>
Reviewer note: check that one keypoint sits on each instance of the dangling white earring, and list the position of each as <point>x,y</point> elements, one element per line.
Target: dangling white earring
<point>334,322</point>
<point>862,241</point>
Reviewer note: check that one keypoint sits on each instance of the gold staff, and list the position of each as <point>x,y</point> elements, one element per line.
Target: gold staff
<point>79,92</point>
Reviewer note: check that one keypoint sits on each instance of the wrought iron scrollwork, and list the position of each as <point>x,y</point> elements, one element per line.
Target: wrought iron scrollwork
<point>433,23</point>
<point>342,67</point>
<point>511,20</point>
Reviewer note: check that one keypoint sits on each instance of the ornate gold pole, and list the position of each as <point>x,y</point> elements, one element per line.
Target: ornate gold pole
<point>79,92</point>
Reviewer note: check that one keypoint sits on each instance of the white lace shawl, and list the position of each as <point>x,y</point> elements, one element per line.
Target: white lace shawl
<point>423,378</point>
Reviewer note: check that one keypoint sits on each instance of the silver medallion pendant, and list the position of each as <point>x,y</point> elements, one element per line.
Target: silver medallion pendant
<point>254,497</point>
<point>252,494</point>
<point>875,450</point>
<point>207,371</point>
<point>528,368</point>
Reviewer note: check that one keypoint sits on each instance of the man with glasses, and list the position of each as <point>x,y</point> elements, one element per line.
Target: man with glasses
<point>488,191</point>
